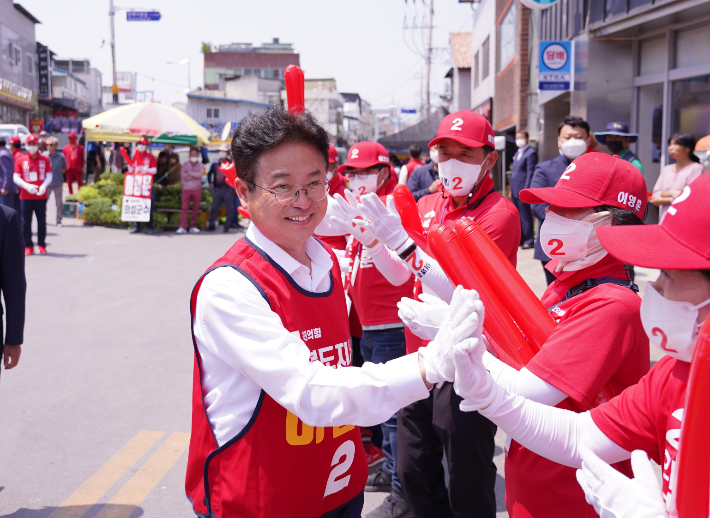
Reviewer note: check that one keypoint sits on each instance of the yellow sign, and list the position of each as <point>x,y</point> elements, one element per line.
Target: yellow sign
<point>114,89</point>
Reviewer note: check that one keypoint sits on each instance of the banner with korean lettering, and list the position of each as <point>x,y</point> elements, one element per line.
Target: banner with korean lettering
<point>556,66</point>
<point>137,190</point>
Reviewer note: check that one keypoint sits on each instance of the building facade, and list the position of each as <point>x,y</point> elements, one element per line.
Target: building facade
<point>358,119</point>
<point>214,111</point>
<point>460,72</point>
<point>18,64</point>
<point>243,59</point>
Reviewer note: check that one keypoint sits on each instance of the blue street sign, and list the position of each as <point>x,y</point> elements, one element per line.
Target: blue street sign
<point>404,110</point>
<point>555,71</point>
<point>142,16</point>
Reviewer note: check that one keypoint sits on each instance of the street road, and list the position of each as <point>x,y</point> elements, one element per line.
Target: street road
<point>95,420</point>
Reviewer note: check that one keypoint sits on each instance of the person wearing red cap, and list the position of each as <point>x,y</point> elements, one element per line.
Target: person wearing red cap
<point>144,162</point>
<point>648,415</point>
<point>337,184</point>
<point>275,401</point>
<point>466,155</point>
<point>33,173</point>
<point>74,155</point>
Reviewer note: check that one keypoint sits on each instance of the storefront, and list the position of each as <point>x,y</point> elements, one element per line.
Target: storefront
<point>16,103</point>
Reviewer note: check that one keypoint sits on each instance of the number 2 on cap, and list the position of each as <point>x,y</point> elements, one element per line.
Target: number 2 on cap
<point>354,153</point>
<point>556,250</point>
<point>456,126</point>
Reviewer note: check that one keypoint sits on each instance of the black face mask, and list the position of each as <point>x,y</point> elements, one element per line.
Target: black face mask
<point>615,146</point>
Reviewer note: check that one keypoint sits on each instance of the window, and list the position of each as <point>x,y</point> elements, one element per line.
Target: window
<point>691,47</point>
<point>209,113</point>
<point>215,113</point>
<point>486,58</point>
<point>30,64</point>
<point>652,56</point>
<point>248,71</point>
<point>257,72</point>
<point>18,55</point>
<point>475,70</point>
<point>506,39</point>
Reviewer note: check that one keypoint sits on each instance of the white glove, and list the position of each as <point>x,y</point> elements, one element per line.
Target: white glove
<point>613,495</point>
<point>32,189</point>
<point>42,189</point>
<point>423,318</point>
<point>473,382</point>
<point>464,319</point>
<point>345,212</point>
<point>384,222</point>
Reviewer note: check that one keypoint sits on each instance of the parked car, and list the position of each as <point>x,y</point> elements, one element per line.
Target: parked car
<point>13,130</point>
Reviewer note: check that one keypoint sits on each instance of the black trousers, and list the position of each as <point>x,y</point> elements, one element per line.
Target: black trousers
<point>222,195</point>
<point>39,208</point>
<point>428,428</point>
<point>527,231</point>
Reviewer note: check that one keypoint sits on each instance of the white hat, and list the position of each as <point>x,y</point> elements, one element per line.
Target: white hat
<point>224,147</point>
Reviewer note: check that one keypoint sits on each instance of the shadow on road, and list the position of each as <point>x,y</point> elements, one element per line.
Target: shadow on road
<point>500,494</point>
<point>65,256</point>
<point>126,511</point>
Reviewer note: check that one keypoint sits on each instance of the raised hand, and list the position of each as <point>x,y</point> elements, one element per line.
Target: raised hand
<point>473,382</point>
<point>423,318</point>
<point>346,212</point>
<point>382,221</point>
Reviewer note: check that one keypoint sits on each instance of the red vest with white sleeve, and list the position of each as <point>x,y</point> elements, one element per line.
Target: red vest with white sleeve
<point>33,171</point>
<point>278,465</point>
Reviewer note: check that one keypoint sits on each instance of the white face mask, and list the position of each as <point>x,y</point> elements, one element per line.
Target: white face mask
<point>459,177</point>
<point>361,186</point>
<point>328,176</point>
<point>573,242</point>
<point>573,148</point>
<point>671,325</point>
<point>141,148</point>
<point>521,143</point>
<point>32,149</point>
<point>434,155</point>
<point>222,154</point>
<point>194,159</point>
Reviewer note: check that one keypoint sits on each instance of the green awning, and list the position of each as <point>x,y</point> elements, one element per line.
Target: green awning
<point>176,140</point>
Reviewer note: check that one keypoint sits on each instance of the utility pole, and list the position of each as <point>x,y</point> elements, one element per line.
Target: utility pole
<point>114,86</point>
<point>427,106</point>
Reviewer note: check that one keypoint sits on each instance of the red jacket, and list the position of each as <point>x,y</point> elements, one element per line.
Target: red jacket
<point>74,156</point>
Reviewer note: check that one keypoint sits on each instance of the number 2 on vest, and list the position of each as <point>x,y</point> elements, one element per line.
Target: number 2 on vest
<point>347,450</point>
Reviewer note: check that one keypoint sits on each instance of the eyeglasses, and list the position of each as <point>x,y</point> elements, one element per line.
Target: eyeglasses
<point>361,173</point>
<point>287,194</point>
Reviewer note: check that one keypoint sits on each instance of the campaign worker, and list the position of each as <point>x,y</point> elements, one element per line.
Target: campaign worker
<point>524,163</point>
<point>646,419</point>
<point>276,404</point>
<point>33,174</point>
<point>415,151</point>
<point>466,155</point>
<point>145,162</point>
<point>74,155</point>
<point>337,185</point>
<point>617,139</point>
<point>573,141</point>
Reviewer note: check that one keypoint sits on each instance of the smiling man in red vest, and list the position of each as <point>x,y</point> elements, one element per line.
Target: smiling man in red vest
<point>276,404</point>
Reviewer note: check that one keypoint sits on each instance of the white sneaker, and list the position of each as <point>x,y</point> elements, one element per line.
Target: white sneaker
<point>194,230</point>
<point>181,231</point>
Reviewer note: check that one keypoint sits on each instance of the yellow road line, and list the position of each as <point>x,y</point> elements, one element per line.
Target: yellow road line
<point>90,491</point>
<point>142,483</point>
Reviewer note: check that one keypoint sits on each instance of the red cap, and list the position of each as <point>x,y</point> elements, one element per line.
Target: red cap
<point>143,140</point>
<point>72,135</point>
<point>679,243</point>
<point>15,140</point>
<point>592,180</point>
<point>333,157</point>
<point>230,172</point>
<point>30,139</point>
<point>364,155</point>
<point>467,128</point>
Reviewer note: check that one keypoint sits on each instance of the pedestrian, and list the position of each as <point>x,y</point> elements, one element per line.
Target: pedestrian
<point>222,193</point>
<point>144,162</point>
<point>93,161</point>
<point>109,158</point>
<point>375,296</point>
<point>8,191</point>
<point>16,146</point>
<point>675,177</point>
<point>191,174</point>
<point>42,141</point>
<point>573,142</point>
<point>275,402</point>
<point>33,174</point>
<point>407,169</point>
<point>121,166</point>
<point>425,180</point>
<point>424,429</point>
<point>74,155</point>
<point>647,418</point>
<point>524,163</point>
<point>617,139</point>
<point>59,166</point>
<point>13,286</point>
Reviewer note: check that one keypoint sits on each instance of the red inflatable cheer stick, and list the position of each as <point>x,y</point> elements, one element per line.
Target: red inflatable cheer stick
<point>517,297</point>
<point>448,250</point>
<point>128,160</point>
<point>244,212</point>
<point>295,89</point>
<point>692,498</point>
<point>407,210</point>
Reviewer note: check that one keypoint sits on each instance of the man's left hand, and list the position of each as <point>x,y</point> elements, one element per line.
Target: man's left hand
<point>383,221</point>
<point>11,355</point>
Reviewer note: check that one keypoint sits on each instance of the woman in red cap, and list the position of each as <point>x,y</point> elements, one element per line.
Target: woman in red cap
<point>648,415</point>
<point>74,155</point>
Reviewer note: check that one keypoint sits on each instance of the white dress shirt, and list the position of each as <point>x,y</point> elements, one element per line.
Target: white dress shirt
<point>245,348</point>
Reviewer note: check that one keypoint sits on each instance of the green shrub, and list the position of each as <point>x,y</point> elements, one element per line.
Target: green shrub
<point>110,190</point>
<point>88,192</point>
<point>96,209</point>
<point>160,220</point>
<point>114,178</point>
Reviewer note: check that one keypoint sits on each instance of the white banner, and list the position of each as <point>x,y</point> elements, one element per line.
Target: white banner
<point>135,209</point>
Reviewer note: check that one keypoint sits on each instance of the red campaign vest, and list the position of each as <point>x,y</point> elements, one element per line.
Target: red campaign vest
<point>337,186</point>
<point>34,171</point>
<point>277,466</point>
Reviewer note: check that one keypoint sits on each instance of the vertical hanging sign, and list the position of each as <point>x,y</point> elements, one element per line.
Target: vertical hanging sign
<point>556,67</point>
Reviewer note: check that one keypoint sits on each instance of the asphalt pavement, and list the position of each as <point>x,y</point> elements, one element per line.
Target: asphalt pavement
<point>95,420</point>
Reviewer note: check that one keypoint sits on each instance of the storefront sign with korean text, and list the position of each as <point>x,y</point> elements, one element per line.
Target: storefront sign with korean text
<point>555,72</point>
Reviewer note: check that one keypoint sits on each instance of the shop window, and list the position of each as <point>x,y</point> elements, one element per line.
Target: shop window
<point>652,56</point>
<point>691,47</point>
<point>615,7</point>
<point>596,11</point>
<point>486,55</point>
<point>691,106</point>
